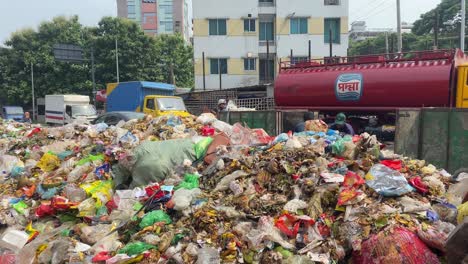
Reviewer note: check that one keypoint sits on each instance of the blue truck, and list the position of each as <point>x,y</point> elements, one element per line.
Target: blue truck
<point>130,96</point>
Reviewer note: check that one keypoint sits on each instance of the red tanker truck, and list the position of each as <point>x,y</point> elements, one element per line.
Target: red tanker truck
<point>376,85</point>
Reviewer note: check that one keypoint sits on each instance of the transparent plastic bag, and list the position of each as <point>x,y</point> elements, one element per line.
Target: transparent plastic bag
<point>208,255</point>
<point>387,182</point>
<point>155,217</point>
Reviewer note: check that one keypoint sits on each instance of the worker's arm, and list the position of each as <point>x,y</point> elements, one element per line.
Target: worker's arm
<point>350,129</point>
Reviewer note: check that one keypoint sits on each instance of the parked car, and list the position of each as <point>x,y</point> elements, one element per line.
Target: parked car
<point>113,118</point>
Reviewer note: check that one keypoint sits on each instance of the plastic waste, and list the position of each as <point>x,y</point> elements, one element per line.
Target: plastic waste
<point>154,217</point>
<point>135,248</point>
<point>87,208</point>
<point>90,159</point>
<point>387,182</point>
<point>206,118</point>
<point>294,205</point>
<point>202,146</point>
<point>400,246</point>
<point>20,207</point>
<point>190,182</point>
<point>417,183</point>
<point>92,234</point>
<point>436,187</point>
<point>13,239</point>
<point>56,252</point>
<point>280,138</point>
<point>436,236</point>
<point>447,212</point>
<point>100,190</point>
<point>332,177</point>
<point>208,255</point>
<point>293,143</point>
<point>410,205</point>
<point>182,198</point>
<point>392,164</point>
<point>223,184</point>
<point>462,212</point>
<point>48,162</point>
<point>430,169</point>
<point>74,193</point>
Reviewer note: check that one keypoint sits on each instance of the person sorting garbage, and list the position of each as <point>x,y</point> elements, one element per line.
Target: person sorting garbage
<point>341,125</point>
<point>220,108</point>
<point>301,126</point>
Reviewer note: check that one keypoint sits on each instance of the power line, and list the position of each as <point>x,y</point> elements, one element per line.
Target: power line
<point>376,11</point>
<point>370,8</point>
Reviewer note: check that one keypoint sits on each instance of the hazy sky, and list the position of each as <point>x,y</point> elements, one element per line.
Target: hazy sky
<point>20,14</point>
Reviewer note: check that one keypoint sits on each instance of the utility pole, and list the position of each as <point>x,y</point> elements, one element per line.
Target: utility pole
<point>267,65</point>
<point>463,18</point>
<point>330,39</point>
<point>32,90</point>
<point>310,50</point>
<point>203,66</point>
<point>386,42</point>
<point>93,70</point>
<point>400,40</point>
<point>220,75</point>
<point>436,30</point>
<point>117,60</point>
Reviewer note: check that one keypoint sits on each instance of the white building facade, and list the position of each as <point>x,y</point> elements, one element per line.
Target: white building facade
<point>246,39</point>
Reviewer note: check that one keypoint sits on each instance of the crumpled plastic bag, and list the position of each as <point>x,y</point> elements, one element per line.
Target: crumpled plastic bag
<point>155,217</point>
<point>429,169</point>
<point>294,205</point>
<point>436,236</point>
<point>182,198</point>
<point>410,205</point>
<point>90,159</point>
<point>100,190</point>
<point>202,146</point>
<point>266,230</point>
<point>316,126</point>
<point>206,118</point>
<point>387,182</point>
<point>293,143</point>
<point>49,162</point>
<point>223,184</point>
<point>136,248</point>
<point>436,187</point>
<point>447,212</point>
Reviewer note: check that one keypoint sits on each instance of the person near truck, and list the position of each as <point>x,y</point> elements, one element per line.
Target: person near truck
<point>301,126</point>
<point>341,125</point>
<point>27,118</point>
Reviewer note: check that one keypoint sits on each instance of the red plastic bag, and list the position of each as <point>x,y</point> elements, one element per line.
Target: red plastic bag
<point>417,183</point>
<point>392,164</point>
<point>44,210</point>
<point>101,256</point>
<point>289,224</point>
<point>351,179</point>
<point>208,131</point>
<point>34,131</point>
<point>397,247</point>
<point>150,190</point>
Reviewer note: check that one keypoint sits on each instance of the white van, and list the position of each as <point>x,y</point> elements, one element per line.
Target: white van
<point>65,109</point>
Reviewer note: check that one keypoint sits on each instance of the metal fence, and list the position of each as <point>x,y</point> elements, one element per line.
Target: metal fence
<point>260,104</point>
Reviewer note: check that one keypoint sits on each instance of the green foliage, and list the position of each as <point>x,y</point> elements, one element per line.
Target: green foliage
<point>141,57</point>
<point>422,36</point>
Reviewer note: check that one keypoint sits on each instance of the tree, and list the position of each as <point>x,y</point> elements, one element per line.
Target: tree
<point>141,57</point>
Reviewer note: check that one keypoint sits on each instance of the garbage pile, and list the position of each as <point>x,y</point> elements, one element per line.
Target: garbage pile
<point>198,190</point>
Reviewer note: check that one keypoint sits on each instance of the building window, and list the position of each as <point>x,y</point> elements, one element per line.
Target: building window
<point>299,25</point>
<point>217,27</point>
<point>149,18</point>
<point>250,64</point>
<point>218,64</point>
<point>131,9</point>
<point>299,59</point>
<point>249,25</point>
<point>266,31</point>
<point>265,1</point>
<point>332,2</point>
<point>333,24</point>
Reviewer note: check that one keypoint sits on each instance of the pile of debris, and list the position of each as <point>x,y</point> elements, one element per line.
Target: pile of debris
<point>197,190</point>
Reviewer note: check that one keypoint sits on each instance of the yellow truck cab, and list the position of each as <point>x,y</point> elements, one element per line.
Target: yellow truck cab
<point>158,105</point>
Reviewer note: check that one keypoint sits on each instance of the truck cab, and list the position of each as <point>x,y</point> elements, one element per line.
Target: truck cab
<point>13,113</point>
<point>157,105</point>
<point>65,109</point>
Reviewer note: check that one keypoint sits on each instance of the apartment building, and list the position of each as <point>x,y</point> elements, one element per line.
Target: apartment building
<point>244,40</point>
<point>158,16</point>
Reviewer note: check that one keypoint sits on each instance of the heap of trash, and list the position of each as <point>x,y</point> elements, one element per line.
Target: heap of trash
<point>198,190</point>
